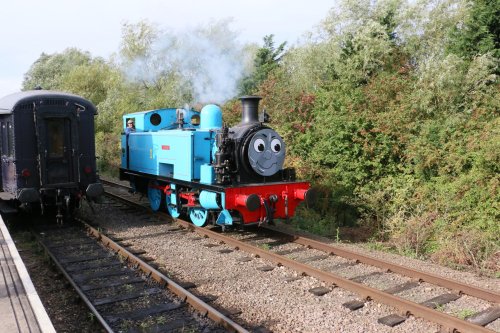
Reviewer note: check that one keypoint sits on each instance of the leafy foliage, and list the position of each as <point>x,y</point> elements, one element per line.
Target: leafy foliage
<point>480,33</point>
<point>48,72</point>
<point>266,60</point>
<point>405,140</point>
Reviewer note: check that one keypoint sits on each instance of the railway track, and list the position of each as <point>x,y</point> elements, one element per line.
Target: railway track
<point>125,293</point>
<point>330,263</point>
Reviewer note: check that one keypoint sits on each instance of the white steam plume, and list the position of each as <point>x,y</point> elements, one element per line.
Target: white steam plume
<point>208,59</point>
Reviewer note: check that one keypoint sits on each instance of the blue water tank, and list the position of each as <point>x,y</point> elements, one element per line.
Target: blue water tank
<point>211,117</point>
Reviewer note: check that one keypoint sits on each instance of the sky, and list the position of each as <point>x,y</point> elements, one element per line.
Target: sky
<point>29,27</point>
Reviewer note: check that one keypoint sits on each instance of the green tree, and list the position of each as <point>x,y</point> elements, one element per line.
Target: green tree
<point>49,71</point>
<point>76,72</point>
<point>266,60</point>
<point>137,39</point>
<point>480,32</point>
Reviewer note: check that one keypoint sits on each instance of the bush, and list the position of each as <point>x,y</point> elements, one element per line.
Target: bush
<point>406,143</point>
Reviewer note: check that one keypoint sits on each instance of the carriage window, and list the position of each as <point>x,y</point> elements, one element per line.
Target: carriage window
<point>55,129</point>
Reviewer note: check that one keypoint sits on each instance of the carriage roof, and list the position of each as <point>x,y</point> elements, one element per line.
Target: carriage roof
<point>9,103</point>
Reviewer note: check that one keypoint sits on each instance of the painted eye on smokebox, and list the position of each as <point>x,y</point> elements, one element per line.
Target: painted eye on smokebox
<point>259,145</point>
<point>276,145</point>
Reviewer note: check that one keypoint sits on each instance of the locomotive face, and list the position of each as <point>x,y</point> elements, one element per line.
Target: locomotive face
<point>266,152</point>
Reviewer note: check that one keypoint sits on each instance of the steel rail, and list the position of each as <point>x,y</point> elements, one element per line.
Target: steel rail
<point>195,302</point>
<point>82,295</point>
<point>408,307</point>
<point>112,183</point>
<point>457,286</point>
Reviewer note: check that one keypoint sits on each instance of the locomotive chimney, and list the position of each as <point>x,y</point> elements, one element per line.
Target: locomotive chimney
<point>250,105</point>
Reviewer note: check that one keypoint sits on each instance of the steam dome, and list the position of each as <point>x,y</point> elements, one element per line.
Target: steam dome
<point>211,117</point>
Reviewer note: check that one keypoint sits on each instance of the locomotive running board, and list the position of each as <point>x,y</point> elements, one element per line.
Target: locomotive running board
<point>125,174</point>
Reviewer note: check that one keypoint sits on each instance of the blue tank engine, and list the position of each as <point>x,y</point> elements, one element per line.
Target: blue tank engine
<point>188,162</point>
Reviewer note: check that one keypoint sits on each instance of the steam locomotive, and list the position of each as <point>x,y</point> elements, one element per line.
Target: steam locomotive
<point>47,151</point>
<point>188,162</point>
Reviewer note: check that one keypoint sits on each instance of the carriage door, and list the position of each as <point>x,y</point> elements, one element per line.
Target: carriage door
<point>58,149</point>
<point>8,169</point>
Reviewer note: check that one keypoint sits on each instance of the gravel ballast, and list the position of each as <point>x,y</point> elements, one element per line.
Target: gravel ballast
<point>265,298</point>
